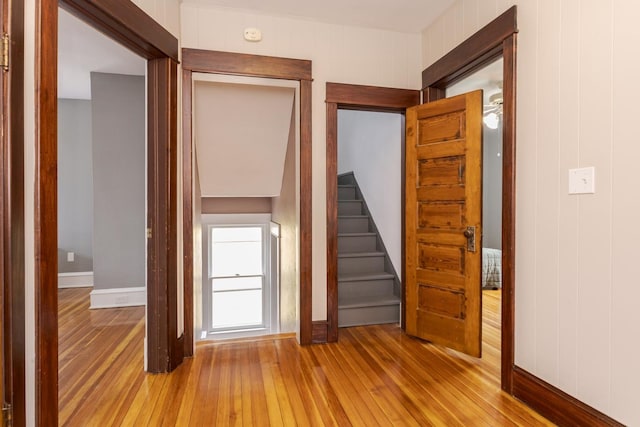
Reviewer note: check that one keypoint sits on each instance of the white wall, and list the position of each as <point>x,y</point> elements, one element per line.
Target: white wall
<point>167,13</point>
<point>369,145</point>
<point>576,256</point>
<point>339,54</point>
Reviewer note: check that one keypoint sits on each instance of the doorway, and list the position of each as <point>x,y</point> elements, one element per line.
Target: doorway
<point>210,63</point>
<point>147,38</point>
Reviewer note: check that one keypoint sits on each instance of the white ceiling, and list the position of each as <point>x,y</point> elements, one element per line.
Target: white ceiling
<point>409,16</point>
<point>241,133</point>
<point>82,49</point>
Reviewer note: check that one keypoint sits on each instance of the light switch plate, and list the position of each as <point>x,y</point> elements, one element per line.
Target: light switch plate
<point>582,180</point>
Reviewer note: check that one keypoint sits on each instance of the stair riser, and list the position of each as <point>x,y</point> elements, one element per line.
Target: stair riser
<point>353,225</point>
<point>369,315</point>
<point>360,265</point>
<point>346,193</point>
<point>349,208</point>
<point>350,244</point>
<point>381,287</point>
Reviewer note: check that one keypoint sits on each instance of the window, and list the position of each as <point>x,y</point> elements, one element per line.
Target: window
<point>238,278</point>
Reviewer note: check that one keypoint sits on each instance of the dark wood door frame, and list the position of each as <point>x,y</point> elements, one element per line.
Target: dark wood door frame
<point>352,97</point>
<point>214,62</point>
<point>12,259</point>
<point>496,39</point>
<point>129,25</point>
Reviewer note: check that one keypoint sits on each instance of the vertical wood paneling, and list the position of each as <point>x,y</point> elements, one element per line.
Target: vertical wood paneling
<point>573,327</point>
<point>526,188</point>
<point>625,293</point>
<point>569,157</point>
<point>594,220</point>
<point>547,196</point>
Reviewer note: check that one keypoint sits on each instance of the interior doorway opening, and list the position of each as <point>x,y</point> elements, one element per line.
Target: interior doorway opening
<point>490,79</point>
<point>370,147</point>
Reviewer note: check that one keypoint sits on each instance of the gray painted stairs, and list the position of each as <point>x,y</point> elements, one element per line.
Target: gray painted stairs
<point>368,286</point>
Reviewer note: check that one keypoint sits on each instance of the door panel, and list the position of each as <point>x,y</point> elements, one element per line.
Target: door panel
<point>443,198</point>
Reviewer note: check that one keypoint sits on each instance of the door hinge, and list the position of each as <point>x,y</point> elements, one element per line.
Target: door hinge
<point>148,233</point>
<point>4,60</point>
<point>7,415</point>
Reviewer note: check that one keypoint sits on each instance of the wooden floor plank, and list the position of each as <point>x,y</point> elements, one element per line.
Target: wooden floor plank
<point>374,375</point>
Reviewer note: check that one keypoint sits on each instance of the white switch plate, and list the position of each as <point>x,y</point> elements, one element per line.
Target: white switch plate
<point>70,256</point>
<point>582,181</point>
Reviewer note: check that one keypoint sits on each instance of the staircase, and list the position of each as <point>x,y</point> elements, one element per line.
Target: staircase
<point>368,286</point>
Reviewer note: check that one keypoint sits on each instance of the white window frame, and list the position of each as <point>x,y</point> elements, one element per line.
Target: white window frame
<point>269,296</point>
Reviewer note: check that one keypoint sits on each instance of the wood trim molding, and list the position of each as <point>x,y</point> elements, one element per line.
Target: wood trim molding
<point>468,56</point>
<point>554,404</point>
<point>46,214</point>
<point>319,332</point>
<point>187,213</point>
<point>126,23</point>
<point>196,60</point>
<point>12,256</point>
<point>509,74</point>
<point>379,98</point>
<point>368,98</point>
<point>136,30</point>
<point>497,39</point>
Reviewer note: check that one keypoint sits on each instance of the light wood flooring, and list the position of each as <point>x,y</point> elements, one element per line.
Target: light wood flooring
<point>374,375</point>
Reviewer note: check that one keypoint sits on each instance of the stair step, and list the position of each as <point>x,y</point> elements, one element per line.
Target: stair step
<point>360,262</point>
<point>369,301</point>
<point>375,311</point>
<point>359,285</point>
<point>346,192</point>
<point>356,242</point>
<point>365,277</point>
<point>353,223</point>
<point>361,255</point>
<point>349,207</point>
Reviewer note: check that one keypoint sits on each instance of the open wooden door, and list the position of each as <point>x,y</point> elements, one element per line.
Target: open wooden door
<point>444,222</point>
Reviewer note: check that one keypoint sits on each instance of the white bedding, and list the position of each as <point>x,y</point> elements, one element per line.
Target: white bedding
<point>491,268</point>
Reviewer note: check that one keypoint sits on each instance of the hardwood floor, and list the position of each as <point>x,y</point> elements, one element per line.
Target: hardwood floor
<point>374,375</point>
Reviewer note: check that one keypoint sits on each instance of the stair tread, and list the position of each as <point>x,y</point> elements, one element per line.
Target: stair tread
<point>353,216</point>
<point>349,200</point>
<point>368,301</point>
<point>361,254</point>
<point>346,186</point>
<point>368,233</point>
<point>358,277</point>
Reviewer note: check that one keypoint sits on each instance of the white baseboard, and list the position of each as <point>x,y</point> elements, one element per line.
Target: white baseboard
<point>81,279</point>
<point>118,297</point>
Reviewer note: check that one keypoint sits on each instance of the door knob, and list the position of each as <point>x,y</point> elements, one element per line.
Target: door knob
<point>470,234</point>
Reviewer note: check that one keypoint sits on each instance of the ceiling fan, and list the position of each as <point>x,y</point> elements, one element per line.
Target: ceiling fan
<point>492,112</point>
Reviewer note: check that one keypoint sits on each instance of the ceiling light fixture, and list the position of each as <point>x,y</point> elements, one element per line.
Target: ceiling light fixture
<point>493,111</point>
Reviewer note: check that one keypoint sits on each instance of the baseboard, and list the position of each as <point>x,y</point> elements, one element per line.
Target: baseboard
<point>118,297</point>
<point>319,332</point>
<point>554,404</point>
<point>80,279</point>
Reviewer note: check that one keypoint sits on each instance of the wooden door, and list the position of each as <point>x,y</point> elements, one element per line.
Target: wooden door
<point>443,203</point>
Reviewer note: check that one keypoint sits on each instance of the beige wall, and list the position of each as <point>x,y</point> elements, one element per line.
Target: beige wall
<point>339,54</point>
<point>231,205</point>
<point>283,211</point>
<point>576,256</point>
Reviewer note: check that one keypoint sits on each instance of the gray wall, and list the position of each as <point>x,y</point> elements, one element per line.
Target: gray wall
<point>118,112</point>
<point>75,187</point>
<point>492,188</point>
